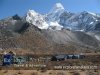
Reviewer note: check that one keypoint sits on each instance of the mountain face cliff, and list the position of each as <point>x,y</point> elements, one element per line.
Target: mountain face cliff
<point>56,32</point>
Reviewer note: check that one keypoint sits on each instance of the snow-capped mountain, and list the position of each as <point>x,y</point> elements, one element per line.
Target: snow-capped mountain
<point>83,21</point>
<point>59,18</point>
<point>49,21</point>
<point>55,13</point>
<point>36,19</point>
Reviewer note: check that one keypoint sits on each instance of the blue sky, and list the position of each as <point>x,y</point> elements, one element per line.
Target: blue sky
<point>11,7</point>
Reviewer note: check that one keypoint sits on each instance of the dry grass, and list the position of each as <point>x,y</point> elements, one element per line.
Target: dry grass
<point>49,72</point>
<point>60,73</point>
<point>34,73</point>
<point>20,72</point>
<point>76,73</point>
<point>6,71</point>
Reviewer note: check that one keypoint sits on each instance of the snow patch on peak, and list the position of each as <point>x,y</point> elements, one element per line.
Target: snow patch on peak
<point>36,19</point>
<point>32,13</point>
<point>89,13</point>
<point>55,26</point>
<point>92,13</point>
<point>58,6</point>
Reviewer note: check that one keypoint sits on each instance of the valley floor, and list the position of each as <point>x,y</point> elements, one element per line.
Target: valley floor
<point>50,72</point>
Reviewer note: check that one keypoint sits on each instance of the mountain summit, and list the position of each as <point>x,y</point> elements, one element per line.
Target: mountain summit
<point>57,7</point>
